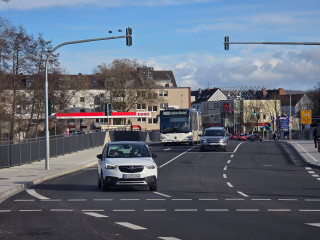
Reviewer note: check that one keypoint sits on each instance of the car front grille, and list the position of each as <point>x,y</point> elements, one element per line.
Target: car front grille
<point>131,169</point>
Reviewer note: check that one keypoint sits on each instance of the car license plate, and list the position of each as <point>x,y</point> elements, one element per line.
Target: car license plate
<point>131,176</point>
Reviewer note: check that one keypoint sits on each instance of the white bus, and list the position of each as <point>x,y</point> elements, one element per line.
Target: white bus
<point>180,126</point>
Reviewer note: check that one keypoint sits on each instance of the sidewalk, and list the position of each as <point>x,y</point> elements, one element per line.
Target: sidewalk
<point>16,179</point>
<point>307,151</point>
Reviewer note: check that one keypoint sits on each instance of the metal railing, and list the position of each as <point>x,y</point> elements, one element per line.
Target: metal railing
<point>18,152</point>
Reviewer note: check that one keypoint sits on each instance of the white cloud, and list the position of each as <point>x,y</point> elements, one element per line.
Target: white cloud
<point>34,4</point>
<point>286,69</point>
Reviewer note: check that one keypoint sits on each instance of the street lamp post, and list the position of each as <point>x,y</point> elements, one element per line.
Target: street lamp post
<point>129,43</point>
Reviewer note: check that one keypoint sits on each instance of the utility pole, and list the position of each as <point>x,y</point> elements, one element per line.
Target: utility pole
<point>128,37</point>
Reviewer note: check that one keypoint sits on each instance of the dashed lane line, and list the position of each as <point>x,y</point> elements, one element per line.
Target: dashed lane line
<point>169,238</point>
<point>130,225</point>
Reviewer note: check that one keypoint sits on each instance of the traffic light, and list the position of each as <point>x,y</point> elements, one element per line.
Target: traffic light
<point>49,107</point>
<point>108,109</point>
<point>129,36</point>
<point>254,112</point>
<point>226,43</point>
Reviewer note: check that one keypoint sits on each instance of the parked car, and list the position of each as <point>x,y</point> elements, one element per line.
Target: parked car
<point>234,137</point>
<point>214,138</point>
<point>257,136</point>
<point>242,136</point>
<point>127,163</point>
<point>251,137</point>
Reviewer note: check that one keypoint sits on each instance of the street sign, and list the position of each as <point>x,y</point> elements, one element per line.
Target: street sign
<point>284,123</point>
<point>306,117</point>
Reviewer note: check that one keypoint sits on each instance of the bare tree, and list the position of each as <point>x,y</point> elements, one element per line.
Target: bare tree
<point>314,94</point>
<point>125,85</point>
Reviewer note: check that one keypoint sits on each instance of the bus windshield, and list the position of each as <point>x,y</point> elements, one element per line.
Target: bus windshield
<point>178,124</point>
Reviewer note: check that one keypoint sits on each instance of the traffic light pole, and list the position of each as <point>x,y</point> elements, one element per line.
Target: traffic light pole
<point>227,43</point>
<point>47,155</point>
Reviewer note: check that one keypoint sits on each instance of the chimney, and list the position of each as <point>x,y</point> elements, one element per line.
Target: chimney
<point>264,92</point>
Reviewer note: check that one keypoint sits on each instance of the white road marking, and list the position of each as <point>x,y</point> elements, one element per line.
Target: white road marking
<point>181,199</point>
<point>248,210</point>
<point>93,214</point>
<point>155,199</point>
<point>176,157</point>
<point>77,200</point>
<point>208,199</point>
<point>279,210</point>
<point>231,156</point>
<point>236,148</point>
<point>261,199</point>
<point>308,168</point>
<point>61,210</point>
<point>229,161</point>
<point>288,199</point>
<point>5,211</point>
<point>309,210</point>
<point>225,168</point>
<point>224,175</point>
<point>51,200</point>
<point>312,200</point>
<point>242,194</point>
<point>318,179</point>
<point>315,175</point>
<point>24,200</point>
<point>316,160</point>
<point>30,210</point>
<point>103,200</point>
<point>314,224</point>
<point>155,210</point>
<point>229,184</point>
<point>33,193</point>
<point>128,199</point>
<point>123,210</point>
<point>167,149</point>
<point>131,226</point>
<point>234,199</point>
<point>169,238</point>
<point>161,194</point>
<point>186,210</point>
<point>312,172</point>
<point>217,210</point>
<point>92,210</point>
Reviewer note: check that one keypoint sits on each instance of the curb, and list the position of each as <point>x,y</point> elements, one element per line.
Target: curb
<point>19,188</point>
<point>300,156</point>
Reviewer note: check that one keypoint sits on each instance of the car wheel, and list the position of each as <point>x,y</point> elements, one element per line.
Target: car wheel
<point>104,186</point>
<point>153,187</point>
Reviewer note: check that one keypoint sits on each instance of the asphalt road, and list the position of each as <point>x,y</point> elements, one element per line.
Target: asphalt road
<point>251,192</point>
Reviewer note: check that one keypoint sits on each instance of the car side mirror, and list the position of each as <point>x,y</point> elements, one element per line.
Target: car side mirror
<point>154,155</point>
<point>99,156</point>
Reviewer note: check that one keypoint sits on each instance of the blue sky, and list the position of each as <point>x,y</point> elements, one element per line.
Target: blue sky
<point>185,36</point>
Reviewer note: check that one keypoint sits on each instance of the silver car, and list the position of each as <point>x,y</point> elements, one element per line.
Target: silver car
<point>127,163</point>
<point>214,138</point>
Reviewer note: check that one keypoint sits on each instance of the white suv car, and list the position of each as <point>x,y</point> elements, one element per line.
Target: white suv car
<point>214,137</point>
<point>127,164</point>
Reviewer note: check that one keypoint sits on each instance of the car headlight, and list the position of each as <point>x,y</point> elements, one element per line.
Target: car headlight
<point>110,166</point>
<point>150,166</point>
<point>203,140</point>
<point>223,140</point>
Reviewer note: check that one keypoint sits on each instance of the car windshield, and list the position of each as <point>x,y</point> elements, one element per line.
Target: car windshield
<point>213,133</point>
<point>127,151</point>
